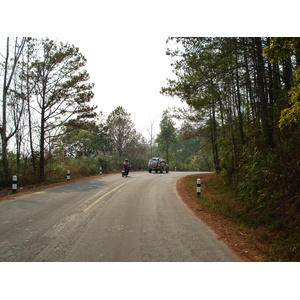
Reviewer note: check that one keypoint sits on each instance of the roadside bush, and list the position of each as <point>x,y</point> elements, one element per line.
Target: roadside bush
<point>266,183</point>
<point>105,163</point>
<point>83,166</point>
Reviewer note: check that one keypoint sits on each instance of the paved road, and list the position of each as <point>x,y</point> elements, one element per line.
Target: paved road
<point>113,219</point>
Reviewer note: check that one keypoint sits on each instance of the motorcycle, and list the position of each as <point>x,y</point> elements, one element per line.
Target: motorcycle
<point>125,172</point>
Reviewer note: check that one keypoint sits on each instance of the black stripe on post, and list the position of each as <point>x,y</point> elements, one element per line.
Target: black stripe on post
<point>199,187</point>
<point>14,183</point>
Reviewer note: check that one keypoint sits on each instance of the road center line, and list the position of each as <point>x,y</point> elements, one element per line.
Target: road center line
<point>98,200</point>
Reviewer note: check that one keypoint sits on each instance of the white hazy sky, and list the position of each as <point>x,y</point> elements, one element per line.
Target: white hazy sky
<point>125,42</point>
<point>128,70</point>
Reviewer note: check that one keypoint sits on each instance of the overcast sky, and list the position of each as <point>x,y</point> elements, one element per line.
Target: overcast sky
<point>125,41</point>
<point>128,71</point>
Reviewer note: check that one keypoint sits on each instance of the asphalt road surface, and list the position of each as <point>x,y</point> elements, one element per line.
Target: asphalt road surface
<point>107,219</point>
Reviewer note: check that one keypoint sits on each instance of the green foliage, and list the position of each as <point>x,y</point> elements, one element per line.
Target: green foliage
<point>291,115</point>
<point>121,132</point>
<point>277,227</point>
<point>50,90</point>
<point>237,98</point>
<point>167,138</point>
<point>280,48</point>
<point>105,163</point>
<point>235,103</point>
<point>84,166</point>
<point>85,139</point>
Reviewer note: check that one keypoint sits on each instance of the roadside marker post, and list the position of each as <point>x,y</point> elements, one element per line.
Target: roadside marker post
<point>100,170</point>
<point>68,175</point>
<point>199,187</point>
<point>14,183</point>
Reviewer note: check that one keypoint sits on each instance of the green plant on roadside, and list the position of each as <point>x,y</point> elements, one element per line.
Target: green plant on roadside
<point>281,232</point>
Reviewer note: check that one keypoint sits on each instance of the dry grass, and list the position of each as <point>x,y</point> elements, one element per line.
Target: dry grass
<point>248,244</point>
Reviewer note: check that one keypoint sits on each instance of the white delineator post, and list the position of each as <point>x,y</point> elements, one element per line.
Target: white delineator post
<point>199,187</point>
<point>14,183</point>
<point>68,175</point>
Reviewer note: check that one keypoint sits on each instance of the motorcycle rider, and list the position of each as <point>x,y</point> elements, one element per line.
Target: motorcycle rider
<point>126,166</point>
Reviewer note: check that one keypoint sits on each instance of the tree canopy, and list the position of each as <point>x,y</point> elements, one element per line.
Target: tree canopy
<point>240,92</point>
<point>166,139</point>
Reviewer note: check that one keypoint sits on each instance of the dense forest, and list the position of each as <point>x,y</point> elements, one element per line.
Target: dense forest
<point>244,95</point>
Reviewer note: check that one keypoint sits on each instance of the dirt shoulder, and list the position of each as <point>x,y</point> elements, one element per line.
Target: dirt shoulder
<point>247,244</point>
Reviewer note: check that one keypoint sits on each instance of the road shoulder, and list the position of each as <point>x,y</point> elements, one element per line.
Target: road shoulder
<point>244,243</point>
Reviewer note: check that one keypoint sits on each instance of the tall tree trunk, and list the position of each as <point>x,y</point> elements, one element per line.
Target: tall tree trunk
<point>240,116</point>
<point>287,74</point>
<point>213,130</point>
<point>271,94</point>
<point>28,92</point>
<point>297,52</point>
<point>42,148</point>
<point>249,87</point>
<point>4,108</point>
<point>7,79</point>
<point>42,140</point>
<point>261,94</point>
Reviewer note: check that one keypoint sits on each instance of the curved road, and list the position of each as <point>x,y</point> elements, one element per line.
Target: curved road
<point>111,219</point>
